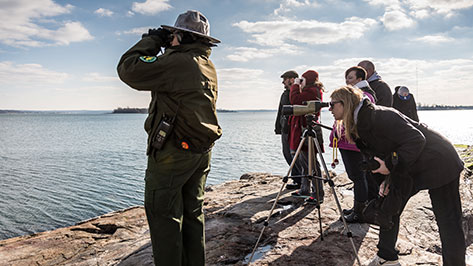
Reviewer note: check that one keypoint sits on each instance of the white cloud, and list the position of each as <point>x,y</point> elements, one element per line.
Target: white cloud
<point>103,12</point>
<point>32,75</point>
<point>151,7</point>
<point>435,39</point>
<point>443,7</point>
<point>22,24</point>
<point>289,5</point>
<point>396,20</point>
<point>135,31</point>
<point>252,85</point>
<point>97,77</point>
<point>70,32</point>
<point>421,9</point>
<point>277,33</point>
<point>245,54</point>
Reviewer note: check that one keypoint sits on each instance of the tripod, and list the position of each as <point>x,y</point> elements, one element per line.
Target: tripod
<point>310,136</point>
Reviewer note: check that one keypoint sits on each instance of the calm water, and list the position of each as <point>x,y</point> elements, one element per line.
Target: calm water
<point>58,169</point>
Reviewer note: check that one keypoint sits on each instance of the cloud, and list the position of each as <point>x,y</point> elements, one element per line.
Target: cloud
<point>135,31</point>
<point>103,12</point>
<point>249,84</point>
<point>23,24</point>
<point>396,20</point>
<point>281,32</point>
<point>32,75</point>
<point>421,9</point>
<point>289,5</point>
<point>435,39</point>
<point>443,7</point>
<point>245,54</point>
<point>151,7</point>
<point>97,77</point>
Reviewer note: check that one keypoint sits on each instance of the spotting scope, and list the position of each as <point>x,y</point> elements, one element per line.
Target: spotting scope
<point>310,107</point>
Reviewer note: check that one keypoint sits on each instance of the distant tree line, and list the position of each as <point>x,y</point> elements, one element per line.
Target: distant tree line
<point>443,107</point>
<point>128,110</point>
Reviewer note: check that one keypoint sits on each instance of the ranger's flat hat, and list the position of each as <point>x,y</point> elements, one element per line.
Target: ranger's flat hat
<point>194,22</point>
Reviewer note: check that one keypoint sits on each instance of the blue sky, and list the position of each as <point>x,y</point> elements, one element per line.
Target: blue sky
<point>62,55</point>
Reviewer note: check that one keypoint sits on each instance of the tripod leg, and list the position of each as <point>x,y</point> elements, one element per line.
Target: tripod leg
<point>332,187</point>
<point>315,183</point>
<point>266,222</point>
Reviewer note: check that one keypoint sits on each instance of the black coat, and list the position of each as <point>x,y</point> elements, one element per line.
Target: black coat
<point>281,125</point>
<point>407,107</point>
<point>383,92</point>
<point>425,155</point>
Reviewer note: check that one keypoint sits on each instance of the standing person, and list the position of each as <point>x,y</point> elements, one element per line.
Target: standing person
<point>281,127</point>
<point>364,187</point>
<point>413,157</point>
<point>182,127</point>
<point>404,102</point>
<point>383,92</point>
<point>308,88</point>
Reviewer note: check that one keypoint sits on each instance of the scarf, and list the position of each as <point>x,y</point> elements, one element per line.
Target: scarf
<point>374,77</point>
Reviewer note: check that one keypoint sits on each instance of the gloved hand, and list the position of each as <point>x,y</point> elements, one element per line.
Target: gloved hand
<point>163,34</point>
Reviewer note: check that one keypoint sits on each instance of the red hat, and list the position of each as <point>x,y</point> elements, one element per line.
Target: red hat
<point>310,76</point>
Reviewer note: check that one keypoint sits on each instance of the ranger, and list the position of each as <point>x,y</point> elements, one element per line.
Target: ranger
<point>182,127</point>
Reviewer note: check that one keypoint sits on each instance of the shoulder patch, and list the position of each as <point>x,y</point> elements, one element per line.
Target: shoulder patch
<point>148,59</point>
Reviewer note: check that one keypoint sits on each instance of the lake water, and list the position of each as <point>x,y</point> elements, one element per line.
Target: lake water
<point>57,169</point>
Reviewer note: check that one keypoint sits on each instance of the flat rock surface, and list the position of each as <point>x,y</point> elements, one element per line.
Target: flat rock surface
<point>235,215</point>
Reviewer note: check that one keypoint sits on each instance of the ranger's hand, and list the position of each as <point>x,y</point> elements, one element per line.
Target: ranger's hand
<point>163,34</point>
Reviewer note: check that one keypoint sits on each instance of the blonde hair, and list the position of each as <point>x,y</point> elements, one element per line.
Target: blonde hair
<point>350,97</point>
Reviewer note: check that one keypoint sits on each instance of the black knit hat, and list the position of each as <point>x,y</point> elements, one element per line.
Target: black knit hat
<point>290,74</point>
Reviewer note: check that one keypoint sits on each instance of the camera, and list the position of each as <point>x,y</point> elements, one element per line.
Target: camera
<point>298,81</point>
<point>311,107</point>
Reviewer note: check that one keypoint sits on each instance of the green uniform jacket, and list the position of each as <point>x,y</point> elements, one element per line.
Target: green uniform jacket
<point>183,83</point>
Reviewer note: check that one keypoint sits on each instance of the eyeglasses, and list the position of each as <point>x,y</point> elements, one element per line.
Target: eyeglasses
<point>332,104</point>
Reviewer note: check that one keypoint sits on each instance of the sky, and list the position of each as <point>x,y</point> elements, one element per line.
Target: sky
<point>62,55</point>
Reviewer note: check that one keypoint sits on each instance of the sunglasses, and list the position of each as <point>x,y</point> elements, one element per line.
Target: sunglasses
<point>332,104</point>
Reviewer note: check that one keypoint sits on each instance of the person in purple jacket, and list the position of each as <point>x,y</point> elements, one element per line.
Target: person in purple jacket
<point>364,187</point>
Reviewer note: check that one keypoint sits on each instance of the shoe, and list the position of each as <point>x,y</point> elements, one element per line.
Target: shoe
<point>293,186</point>
<point>312,200</point>
<point>347,211</point>
<point>378,261</point>
<point>298,194</point>
<point>354,217</point>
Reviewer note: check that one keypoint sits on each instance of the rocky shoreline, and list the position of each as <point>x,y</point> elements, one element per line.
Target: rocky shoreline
<point>235,214</point>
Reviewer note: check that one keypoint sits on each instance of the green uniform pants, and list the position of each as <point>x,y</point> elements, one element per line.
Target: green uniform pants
<point>174,197</point>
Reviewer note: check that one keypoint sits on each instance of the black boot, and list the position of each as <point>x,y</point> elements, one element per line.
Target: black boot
<point>347,211</point>
<point>357,215</point>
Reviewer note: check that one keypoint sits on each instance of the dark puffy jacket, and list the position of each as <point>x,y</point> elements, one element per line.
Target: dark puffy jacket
<point>406,106</point>
<point>281,125</point>
<point>183,83</point>
<point>425,155</point>
<point>383,92</point>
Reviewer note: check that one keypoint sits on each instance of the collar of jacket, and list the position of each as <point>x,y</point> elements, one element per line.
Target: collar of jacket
<point>374,76</point>
<point>191,47</point>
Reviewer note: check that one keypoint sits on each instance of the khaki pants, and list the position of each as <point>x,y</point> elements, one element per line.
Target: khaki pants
<point>174,197</point>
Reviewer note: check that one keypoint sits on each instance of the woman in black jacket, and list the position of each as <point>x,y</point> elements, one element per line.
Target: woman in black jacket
<point>412,157</point>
